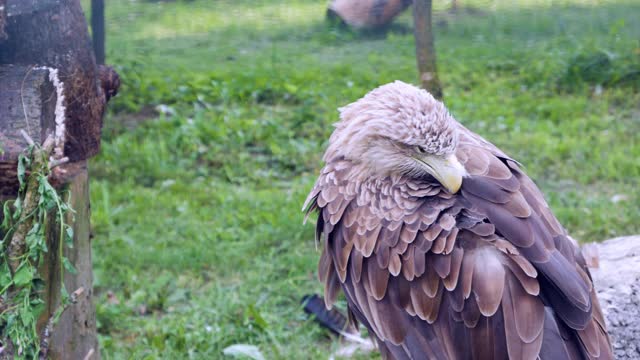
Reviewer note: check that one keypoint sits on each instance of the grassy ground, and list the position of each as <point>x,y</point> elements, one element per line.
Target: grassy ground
<point>218,132</point>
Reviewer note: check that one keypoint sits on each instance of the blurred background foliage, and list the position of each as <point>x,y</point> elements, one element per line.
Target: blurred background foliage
<point>225,109</point>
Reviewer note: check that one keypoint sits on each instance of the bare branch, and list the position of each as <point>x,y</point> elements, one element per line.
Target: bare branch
<point>57,162</point>
<point>27,138</point>
<point>48,144</point>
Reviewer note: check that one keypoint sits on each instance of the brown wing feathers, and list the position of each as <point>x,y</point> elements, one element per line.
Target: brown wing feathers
<point>486,274</point>
<point>524,219</point>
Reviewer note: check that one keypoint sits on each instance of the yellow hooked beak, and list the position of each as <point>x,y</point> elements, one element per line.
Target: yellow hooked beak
<point>446,169</point>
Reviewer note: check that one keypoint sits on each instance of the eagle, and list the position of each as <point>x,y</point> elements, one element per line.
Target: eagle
<point>443,246</point>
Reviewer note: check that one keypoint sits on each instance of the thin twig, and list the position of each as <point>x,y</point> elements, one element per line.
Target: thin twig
<point>24,108</point>
<point>89,354</point>
<point>27,137</point>
<point>75,294</point>
<point>48,144</point>
<point>58,162</point>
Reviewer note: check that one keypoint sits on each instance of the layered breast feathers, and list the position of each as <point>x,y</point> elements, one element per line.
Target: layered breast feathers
<point>487,273</point>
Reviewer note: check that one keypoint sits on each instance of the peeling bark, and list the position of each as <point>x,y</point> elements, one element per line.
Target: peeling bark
<point>54,33</point>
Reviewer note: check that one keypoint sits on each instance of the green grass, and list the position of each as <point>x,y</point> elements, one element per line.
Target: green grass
<point>199,242</point>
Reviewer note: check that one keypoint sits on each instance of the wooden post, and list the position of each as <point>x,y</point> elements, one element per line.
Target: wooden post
<point>79,319</point>
<point>97,29</point>
<point>3,19</point>
<point>425,49</point>
<point>28,99</point>
<point>455,5</point>
<point>50,84</point>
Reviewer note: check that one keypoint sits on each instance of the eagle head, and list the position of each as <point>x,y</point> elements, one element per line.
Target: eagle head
<point>399,130</point>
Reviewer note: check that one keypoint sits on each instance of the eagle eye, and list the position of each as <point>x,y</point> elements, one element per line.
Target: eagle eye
<point>421,150</point>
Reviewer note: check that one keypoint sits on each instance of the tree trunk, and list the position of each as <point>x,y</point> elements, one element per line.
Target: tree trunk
<point>97,29</point>
<point>54,33</point>
<point>27,104</point>
<point>74,336</point>
<point>50,84</point>
<point>425,49</point>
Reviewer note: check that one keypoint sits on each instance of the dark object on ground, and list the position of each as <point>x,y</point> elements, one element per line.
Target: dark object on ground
<point>366,13</point>
<point>332,319</point>
<point>617,281</point>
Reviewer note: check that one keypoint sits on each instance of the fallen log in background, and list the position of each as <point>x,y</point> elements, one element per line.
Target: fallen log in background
<point>366,13</point>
